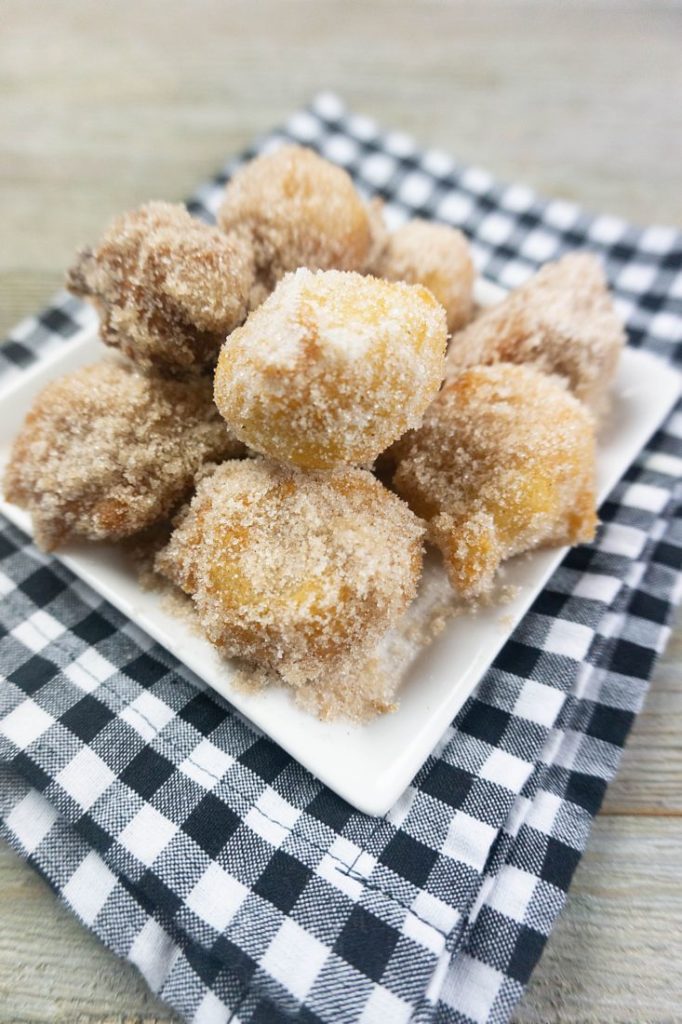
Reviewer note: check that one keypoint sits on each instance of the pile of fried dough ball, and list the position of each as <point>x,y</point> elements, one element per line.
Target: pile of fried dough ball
<point>261,368</point>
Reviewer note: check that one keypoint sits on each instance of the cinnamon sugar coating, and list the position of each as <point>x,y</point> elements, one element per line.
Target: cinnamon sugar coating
<point>562,321</point>
<point>300,572</point>
<point>436,256</point>
<point>296,210</point>
<point>504,462</point>
<point>106,451</point>
<point>332,368</point>
<point>167,287</point>
<point>379,235</point>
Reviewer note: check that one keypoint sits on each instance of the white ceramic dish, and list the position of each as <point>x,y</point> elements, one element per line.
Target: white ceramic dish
<point>368,765</point>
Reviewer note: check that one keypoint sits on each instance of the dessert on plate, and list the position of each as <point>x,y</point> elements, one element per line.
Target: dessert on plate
<point>282,400</point>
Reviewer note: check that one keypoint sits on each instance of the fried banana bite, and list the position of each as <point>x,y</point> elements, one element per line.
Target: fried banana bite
<point>504,462</point>
<point>298,572</point>
<point>561,321</point>
<point>332,368</point>
<point>168,288</point>
<point>296,209</point>
<point>436,256</point>
<point>106,451</point>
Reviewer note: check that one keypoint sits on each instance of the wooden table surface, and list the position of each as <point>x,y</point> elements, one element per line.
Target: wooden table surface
<point>105,105</point>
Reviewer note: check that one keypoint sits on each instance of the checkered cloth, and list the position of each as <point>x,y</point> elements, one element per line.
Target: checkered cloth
<point>197,849</point>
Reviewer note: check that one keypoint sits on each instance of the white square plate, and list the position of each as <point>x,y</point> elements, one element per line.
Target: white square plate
<point>368,765</point>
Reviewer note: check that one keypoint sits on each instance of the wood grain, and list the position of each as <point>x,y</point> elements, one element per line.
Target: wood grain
<point>105,105</point>
<point>609,959</point>
<point>51,968</point>
<point>649,783</point>
<point>612,953</point>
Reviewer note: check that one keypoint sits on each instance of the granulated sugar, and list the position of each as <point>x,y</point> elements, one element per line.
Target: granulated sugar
<point>295,209</point>
<point>503,462</point>
<point>301,572</point>
<point>436,256</point>
<point>562,321</point>
<point>107,451</point>
<point>372,685</point>
<point>167,287</point>
<point>332,368</point>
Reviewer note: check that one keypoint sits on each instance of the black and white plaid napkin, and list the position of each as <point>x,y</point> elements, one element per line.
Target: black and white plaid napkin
<point>197,849</point>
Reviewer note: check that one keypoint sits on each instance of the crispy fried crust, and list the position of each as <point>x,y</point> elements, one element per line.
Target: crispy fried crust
<point>167,287</point>
<point>332,368</point>
<point>105,452</point>
<point>436,256</point>
<point>296,209</point>
<point>298,572</point>
<point>562,321</point>
<point>504,462</point>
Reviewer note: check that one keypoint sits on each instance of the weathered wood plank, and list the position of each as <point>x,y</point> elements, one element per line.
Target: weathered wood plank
<point>52,969</point>
<point>650,778</point>
<point>613,955</point>
<point>103,110</point>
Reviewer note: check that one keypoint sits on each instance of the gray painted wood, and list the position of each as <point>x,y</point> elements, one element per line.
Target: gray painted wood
<point>104,106</point>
